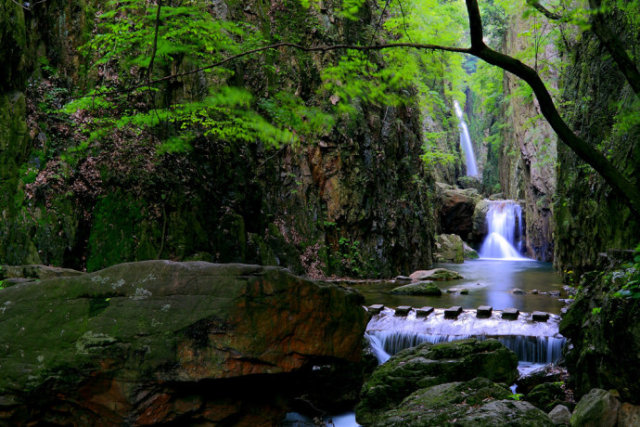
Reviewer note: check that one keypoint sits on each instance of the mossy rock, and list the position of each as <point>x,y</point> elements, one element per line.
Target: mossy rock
<point>430,364</point>
<point>478,402</point>
<point>421,288</point>
<point>546,395</point>
<point>438,274</point>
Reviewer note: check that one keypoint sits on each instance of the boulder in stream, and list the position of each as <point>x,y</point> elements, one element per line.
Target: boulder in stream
<point>596,408</point>
<point>159,342</point>
<point>427,365</point>
<point>437,274</point>
<point>426,288</point>
<point>478,402</point>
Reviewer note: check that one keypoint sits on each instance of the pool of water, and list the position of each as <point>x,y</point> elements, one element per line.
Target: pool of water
<point>488,282</point>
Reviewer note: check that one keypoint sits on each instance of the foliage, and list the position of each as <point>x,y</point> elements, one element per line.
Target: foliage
<point>631,278</point>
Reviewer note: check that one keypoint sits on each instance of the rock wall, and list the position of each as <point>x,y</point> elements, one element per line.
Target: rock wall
<point>527,161</point>
<point>358,202</point>
<point>600,107</point>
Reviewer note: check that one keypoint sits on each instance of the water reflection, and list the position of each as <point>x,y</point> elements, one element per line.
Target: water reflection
<point>488,282</point>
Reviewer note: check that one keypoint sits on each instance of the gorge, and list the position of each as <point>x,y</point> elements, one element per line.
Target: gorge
<point>412,213</point>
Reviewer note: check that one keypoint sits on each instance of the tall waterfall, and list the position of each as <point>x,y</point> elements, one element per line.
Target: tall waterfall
<point>504,220</point>
<point>465,142</point>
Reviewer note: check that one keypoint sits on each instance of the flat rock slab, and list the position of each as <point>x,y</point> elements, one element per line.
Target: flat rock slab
<point>403,280</point>
<point>434,274</point>
<point>403,310</point>
<point>452,312</point>
<point>424,311</point>
<point>375,308</point>
<point>510,313</point>
<point>484,311</point>
<point>540,316</point>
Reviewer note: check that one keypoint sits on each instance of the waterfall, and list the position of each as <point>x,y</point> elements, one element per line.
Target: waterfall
<point>504,220</point>
<point>533,342</point>
<point>465,142</point>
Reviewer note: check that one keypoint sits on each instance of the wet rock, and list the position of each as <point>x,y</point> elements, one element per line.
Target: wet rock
<point>375,309</point>
<point>534,292</point>
<point>539,316</point>
<point>469,252</point>
<point>596,408</point>
<point>453,290</point>
<point>480,227</point>
<point>554,294</point>
<point>424,311</point>
<point>546,395</point>
<point>510,313</point>
<point>156,342</point>
<point>401,280</point>
<point>456,210</point>
<point>427,365</point>
<point>403,310</point>
<point>517,291</point>
<point>437,274</point>
<point>426,288</point>
<point>484,311</point>
<point>629,415</point>
<point>464,291</point>
<point>452,312</point>
<point>547,374</point>
<point>560,415</point>
<point>478,402</point>
<point>449,248</point>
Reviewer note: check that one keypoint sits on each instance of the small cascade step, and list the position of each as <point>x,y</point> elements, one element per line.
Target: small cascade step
<point>452,312</point>
<point>403,310</point>
<point>510,313</point>
<point>540,316</point>
<point>484,311</point>
<point>424,311</point>
<point>375,308</point>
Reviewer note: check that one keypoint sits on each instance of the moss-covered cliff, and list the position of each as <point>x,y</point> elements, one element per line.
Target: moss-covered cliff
<point>600,106</point>
<point>357,201</point>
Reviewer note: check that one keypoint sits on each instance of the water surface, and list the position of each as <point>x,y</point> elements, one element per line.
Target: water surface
<point>488,282</point>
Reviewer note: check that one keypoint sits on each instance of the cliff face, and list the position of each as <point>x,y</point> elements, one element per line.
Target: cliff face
<point>527,161</point>
<point>355,202</point>
<point>602,109</point>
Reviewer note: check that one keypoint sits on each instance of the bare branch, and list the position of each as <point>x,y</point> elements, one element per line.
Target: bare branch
<point>155,42</point>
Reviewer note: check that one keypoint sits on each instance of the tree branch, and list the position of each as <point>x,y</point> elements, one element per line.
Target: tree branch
<point>620,184</point>
<point>154,49</point>
<point>615,46</point>
<point>546,12</point>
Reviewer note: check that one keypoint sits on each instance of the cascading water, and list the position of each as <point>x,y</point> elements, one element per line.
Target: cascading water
<point>533,342</point>
<point>504,221</point>
<point>465,142</point>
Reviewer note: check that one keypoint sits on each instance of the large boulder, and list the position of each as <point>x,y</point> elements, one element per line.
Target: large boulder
<point>427,365</point>
<point>456,210</point>
<point>160,342</point>
<point>478,402</point>
<point>449,248</point>
<point>598,408</point>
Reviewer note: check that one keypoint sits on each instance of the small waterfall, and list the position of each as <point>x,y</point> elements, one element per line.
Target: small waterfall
<point>533,342</point>
<point>504,220</point>
<point>465,142</point>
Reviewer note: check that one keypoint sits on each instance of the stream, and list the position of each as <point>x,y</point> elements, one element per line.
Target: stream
<point>502,278</point>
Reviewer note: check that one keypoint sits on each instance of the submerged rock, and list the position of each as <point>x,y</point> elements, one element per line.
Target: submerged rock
<point>426,288</point>
<point>437,274</point>
<point>159,342</point>
<point>427,365</point>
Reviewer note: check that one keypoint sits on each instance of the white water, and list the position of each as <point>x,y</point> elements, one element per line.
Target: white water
<point>465,142</point>
<point>504,221</point>
<point>533,342</point>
